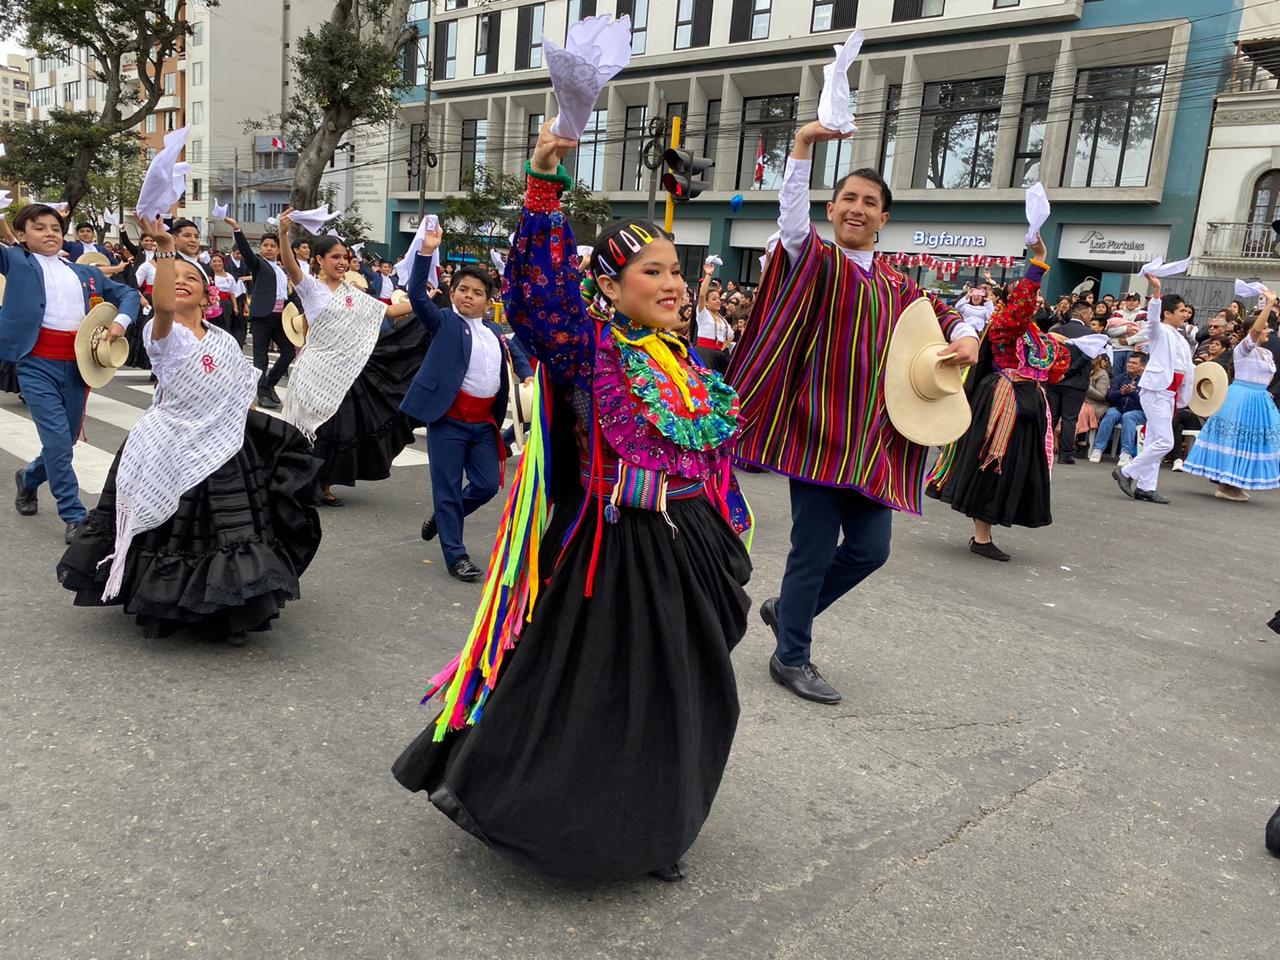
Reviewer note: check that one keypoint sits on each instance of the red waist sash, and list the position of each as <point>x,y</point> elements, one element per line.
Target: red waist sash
<point>1176,383</point>
<point>55,345</point>
<point>471,409</point>
<point>224,296</point>
<point>710,343</point>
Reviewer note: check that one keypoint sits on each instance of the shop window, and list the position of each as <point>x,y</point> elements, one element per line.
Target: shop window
<point>957,144</point>
<point>1113,126</point>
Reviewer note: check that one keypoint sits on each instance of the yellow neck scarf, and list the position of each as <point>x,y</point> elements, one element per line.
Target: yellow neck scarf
<point>658,345</point>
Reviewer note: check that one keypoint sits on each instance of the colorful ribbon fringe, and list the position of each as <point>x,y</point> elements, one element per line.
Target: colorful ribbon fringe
<point>511,586</point>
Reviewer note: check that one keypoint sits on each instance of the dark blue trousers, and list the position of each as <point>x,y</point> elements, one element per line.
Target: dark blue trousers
<point>55,395</point>
<point>820,568</point>
<point>455,447</point>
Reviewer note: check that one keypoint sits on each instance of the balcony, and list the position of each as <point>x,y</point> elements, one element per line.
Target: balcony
<point>1255,68</point>
<point>1240,243</point>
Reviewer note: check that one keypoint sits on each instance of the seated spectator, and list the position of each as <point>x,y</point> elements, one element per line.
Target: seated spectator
<point>1126,329</point>
<point>1098,325</point>
<point>1217,349</point>
<point>1125,409</point>
<point>1217,328</point>
<point>1095,396</point>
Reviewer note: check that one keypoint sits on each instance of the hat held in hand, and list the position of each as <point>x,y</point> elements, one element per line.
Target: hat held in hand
<point>1208,389</point>
<point>925,398</point>
<point>295,324</point>
<point>96,356</point>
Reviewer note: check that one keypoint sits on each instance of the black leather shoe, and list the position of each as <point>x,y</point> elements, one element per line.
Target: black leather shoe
<point>71,531</point>
<point>466,571</point>
<point>988,550</point>
<point>1126,485</point>
<point>25,502</point>
<point>429,529</point>
<point>672,874</point>
<point>274,396</point>
<point>769,614</point>
<point>1151,496</point>
<point>266,402</point>
<point>1273,833</point>
<point>1066,458</point>
<point>804,681</point>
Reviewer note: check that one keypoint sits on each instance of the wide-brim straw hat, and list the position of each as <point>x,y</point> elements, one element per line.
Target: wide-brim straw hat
<point>95,259</point>
<point>295,324</point>
<point>97,358</point>
<point>1208,389</point>
<point>357,280</point>
<point>925,399</point>
<point>399,296</point>
<point>521,405</point>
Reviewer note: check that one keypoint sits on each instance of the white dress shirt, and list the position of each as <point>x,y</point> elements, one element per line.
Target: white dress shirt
<point>282,282</point>
<point>712,327</point>
<point>793,227</point>
<point>64,296</point>
<point>484,373</point>
<point>387,287</point>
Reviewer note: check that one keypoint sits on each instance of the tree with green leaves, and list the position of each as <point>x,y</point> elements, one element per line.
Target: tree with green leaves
<point>128,41</point>
<point>349,71</point>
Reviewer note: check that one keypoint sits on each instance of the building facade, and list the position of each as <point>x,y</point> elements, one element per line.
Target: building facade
<point>15,88</point>
<point>961,103</point>
<point>1241,194</point>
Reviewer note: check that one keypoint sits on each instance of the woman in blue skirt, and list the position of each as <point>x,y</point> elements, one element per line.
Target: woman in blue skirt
<point>1239,446</point>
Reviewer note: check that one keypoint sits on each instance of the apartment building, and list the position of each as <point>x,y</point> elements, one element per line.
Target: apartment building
<point>961,103</point>
<point>1241,194</point>
<point>15,88</point>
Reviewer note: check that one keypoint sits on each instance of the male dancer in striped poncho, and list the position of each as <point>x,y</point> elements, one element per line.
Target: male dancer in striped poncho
<point>809,371</point>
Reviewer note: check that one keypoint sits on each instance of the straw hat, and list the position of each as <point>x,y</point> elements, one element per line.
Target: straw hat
<point>98,359</point>
<point>925,400</point>
<point>399,296</point>
<point>1208,389</point>
<point>295,324</point>
<point>521,405</point>
<point>95,259</point>
<point>357,280</point>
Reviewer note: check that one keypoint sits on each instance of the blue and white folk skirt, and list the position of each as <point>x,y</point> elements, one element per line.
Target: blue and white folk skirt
<point>1240,444</point>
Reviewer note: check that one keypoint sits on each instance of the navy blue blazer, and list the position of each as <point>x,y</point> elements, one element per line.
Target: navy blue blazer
<point>439,379</point>
<point>75,250</point>
<point>23,309</point>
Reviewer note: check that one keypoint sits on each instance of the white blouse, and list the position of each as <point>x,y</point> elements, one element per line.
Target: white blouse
<point>1254,365</point>
<point>169,354</point>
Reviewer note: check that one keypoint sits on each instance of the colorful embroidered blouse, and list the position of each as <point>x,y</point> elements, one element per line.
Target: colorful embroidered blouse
<point>1017,345</point>
<point>648,417</point>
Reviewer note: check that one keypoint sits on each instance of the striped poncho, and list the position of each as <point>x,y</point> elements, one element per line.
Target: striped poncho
<point>809,369</point>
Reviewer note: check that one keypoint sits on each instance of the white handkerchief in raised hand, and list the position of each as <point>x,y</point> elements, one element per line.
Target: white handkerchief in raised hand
<point>1245,289</point>
<point>1158,268</point>
<point>5,199</point>
<point>1,149</point>
<point>163,183</point>
<point>834,105</point>
<point>219,210</point>
<point>595,51</point>
<point>1037,211</point>
<point>404,268</point>
<point>313,221</point>
<point>109,218</point>
<point>713,259</point>
<point>59,205</point>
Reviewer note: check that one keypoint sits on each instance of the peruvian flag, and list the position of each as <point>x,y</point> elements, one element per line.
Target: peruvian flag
<point>760,162</point>
<point>277,143</point>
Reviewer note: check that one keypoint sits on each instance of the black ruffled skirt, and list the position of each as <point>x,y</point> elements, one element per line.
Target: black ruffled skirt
<point>601,749</point>
<point>368,432</point>
<point>9,377</point>
<point>231,556</point>
<point>1016,491</point>
<point>138,357</point>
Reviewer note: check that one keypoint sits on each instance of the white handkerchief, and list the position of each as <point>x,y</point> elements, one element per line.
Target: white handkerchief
<point>272,221</point>
<point>404,268</point>
<point>333,233</point>
<point>1091,344</point>
<point>596,49</point>
<point>219,210</point>
<point>495,257</point>
<point>5,199</point>
<point>1158,268</point>
<point>313,221</point>
<point>59,205</point>
<point>1245,289</point>
<point>1037,211</point>
<point>163,183</point>
<point>109,217</point>
<point>834,110</point>
<point>1,149</point>
<point>714,259</point>
<point>357,250</point>
<point>584,252</point>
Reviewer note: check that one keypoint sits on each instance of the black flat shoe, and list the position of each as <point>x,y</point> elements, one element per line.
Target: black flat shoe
<point>266,403</point>
<point>769,614</point>
<point>672,874</point>
<point>330,502</point>
<point>275,397</point>
<point>1150,496</point>
<point>804,681</point>
<point>466,571</point>
<point>1273,833</point>
<point>988,550</point>
<point>429,528</point>
<point>71,531</point>
<point>1125,484</point>
<point>25,502</point>
<point>1066,458</point>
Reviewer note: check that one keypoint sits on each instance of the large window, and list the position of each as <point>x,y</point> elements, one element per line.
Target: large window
<point>414,67</point>
<point>958,123</point>
<point>488,39</point>
<point>638,10</point>
<point>768,124</point>
<point>693,23</point>
<point>529,20</point>
<point>44,96</point>
<point>419,10</point>
<point>749,20</point>
<point>916,9</point>
<point>633,171</point>
<point>446,66</point>
<point>474,134</point>
<point>712,139</point>
<point>1031,124</point>
<point>197,112</point>
<point>197,73</point>
<point>889,145</point>
<point>1113,126</point>
<point>536,120</point>
<point>579,10</point>
<point>1263,210</point>
<point>834,15</point>
<point>833,159</point>
<point>71,91</point>
<point>586,163</point>
<point>195,153</point>
<point>170,84</point>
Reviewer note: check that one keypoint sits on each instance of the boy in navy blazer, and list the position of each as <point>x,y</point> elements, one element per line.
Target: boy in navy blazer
<point>87,243</point>
<point>460,393</point>
<point>46,299</point>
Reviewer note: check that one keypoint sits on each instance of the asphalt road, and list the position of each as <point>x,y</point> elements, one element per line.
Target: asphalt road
<point>1070,755</point>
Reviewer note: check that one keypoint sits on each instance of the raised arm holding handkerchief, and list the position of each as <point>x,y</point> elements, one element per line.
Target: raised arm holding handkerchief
<point>595,51</point>
<point>835,110</point>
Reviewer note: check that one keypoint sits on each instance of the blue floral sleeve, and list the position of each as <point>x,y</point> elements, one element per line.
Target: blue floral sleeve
<point>541,289</point>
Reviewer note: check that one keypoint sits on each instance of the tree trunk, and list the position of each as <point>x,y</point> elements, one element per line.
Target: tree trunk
<point>315,156</point>
<point>78,179</point>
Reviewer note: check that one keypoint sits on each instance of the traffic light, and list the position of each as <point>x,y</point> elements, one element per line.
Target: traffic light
<point>684,179</point>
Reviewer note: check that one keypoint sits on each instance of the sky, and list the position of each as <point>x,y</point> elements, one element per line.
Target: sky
<point>10,46</point>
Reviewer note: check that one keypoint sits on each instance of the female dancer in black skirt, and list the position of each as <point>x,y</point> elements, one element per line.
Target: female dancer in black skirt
<point>598,752</point>
<point>368,431</point>
<point>217,538</point>
<point>999,470</point>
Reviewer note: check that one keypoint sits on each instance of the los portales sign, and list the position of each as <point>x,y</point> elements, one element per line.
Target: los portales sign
<point>1116,244</point>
